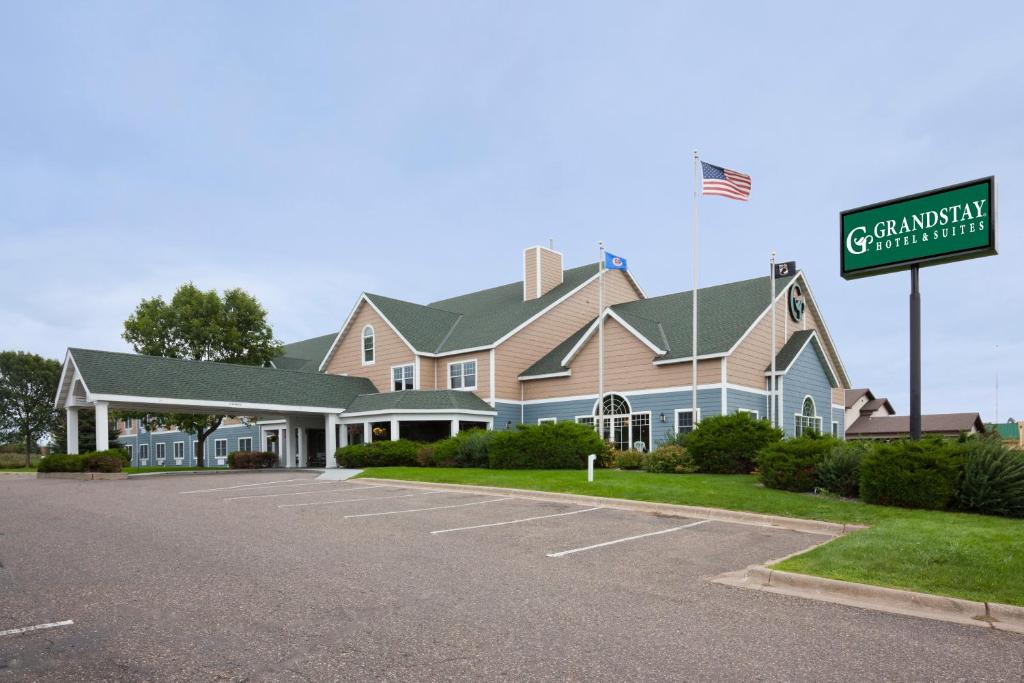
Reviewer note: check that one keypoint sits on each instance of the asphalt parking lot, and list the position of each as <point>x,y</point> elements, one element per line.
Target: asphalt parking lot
<point>276,577</point>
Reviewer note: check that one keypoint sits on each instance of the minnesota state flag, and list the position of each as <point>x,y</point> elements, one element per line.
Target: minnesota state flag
<point>613,262</point>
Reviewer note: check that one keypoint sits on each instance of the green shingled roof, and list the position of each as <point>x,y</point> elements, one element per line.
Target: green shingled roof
<point>425,327</point>
<point>127,374</point>
<point>726,313</point>
<point>1007,430</point>
<point>444,399</point>
<point>305,355</point>
<point>791,349</point>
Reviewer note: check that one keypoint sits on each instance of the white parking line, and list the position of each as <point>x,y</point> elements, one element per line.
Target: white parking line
<point>442,507</point>
<point>514,521</point>
<point>335,489</point>
<point>353,500</point>
<point>39,627</point>
<point>628,538</point>
<point>242,486</point>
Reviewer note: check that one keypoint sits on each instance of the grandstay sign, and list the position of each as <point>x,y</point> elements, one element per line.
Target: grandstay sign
<point>948,224</point>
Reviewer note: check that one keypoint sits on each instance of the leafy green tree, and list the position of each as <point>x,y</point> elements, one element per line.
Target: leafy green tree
<point>28,384</point>
<point>203,326</point>
<point>86,433</point>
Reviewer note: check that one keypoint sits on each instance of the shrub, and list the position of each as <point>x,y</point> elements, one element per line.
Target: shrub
<point>839,472</point>
<point>465,449</point>
<point>559,445</point>
<point>108,461</point>
<point>792,465</point>
<point>379,454</point>
<point>669,458</point>
<point>627,460</point>
<point>252,460</point>
<point>914,474</point>
<point>992,479</point>
<point>126,460</point>
<point>425,456</point>
<point>728,444</point>
<point>62,463</point>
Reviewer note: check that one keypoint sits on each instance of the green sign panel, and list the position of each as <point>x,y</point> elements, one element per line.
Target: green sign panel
<point>949,224</point>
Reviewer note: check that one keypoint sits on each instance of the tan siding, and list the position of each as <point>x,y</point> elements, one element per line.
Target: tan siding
<point>428,380</point>
<point>628,367</point>
<point>483,370</point>
<point>528,345</point>
<point>530,274</point>
<point>550,270</point>
<point>838,396</point>
<point>389,350</point>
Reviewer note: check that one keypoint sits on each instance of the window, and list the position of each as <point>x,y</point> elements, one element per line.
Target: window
<point>835,430</point>
<point>179,451</point>
<point>462,375</point>
<point>161,454</point>
<point>245,443</point>
<point>402,377</point>
<point>551,420</point>
<point>368,348</point>
<point>143,452</point>
<point>127,423</point>
<point>621,427</point>
<point>752,413</point>
<point>131,451</point>
<point>806,420</point>
<point>684,420</point>
<point>220,448</point>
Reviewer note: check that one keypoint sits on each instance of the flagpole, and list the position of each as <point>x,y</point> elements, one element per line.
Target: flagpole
<point>600,341</point>
<point>696,246</point>
<point>771,381</point>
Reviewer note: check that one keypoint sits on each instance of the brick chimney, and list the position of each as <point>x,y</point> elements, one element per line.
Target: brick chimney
<point>542,271</point>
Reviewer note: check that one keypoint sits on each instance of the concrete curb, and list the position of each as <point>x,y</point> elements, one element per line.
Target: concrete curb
<point>924,605</point>
<point>82,476</point>
<point>267,470</point>
<point>667,509</point>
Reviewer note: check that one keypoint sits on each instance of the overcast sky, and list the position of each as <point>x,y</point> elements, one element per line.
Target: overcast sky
<point>309,151</point>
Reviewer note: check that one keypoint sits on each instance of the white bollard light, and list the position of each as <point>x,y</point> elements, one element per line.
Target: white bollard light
<point>590,466</point>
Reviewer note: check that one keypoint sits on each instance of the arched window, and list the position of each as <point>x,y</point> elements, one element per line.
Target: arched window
<point>807,419</point>
<point>368,344</point>
<point>614,405</point>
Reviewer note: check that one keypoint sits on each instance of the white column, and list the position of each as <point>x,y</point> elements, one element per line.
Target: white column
<point>290,442</point>
<point>282,450</point>
<point>367,433</point>
<point>72,414</point>
<point>102,416</point>
<point>455,427</point>
<point>331,440</point>
<point>301,447</point>
<point>394,430</point>
<point>343,436</point>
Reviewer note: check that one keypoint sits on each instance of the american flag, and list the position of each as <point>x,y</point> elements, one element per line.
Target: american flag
<point>725,182</point>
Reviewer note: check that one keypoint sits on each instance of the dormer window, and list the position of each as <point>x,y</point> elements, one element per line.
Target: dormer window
<point>368,345</point>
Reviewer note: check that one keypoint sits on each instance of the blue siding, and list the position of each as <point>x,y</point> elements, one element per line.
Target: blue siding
<point>563,411</point>
<point>232,433</point>
<point>839,415</point>
<point>507,412</point>
<point>806,377</point>
<point>748,400</point>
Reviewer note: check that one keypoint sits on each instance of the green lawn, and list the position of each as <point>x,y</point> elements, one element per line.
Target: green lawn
<point>141,470</point>
<point>966,556</point>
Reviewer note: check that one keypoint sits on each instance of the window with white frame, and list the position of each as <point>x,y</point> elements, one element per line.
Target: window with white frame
<point>622,428</point>
<point>684,420</point>
<point>807,419</point>
<point>131,451</point>
<point>368,345</point>
<point>403,377</point>
<point>127,423</point>
<point>245,443</point>
<point>143,453</point>
<point>161,453</point>
<point>220,448</point>
<point>462,375</point>
<point>835,430</point>
<point>179,452</point>
<point>752,413</point>
<point>548,420</point>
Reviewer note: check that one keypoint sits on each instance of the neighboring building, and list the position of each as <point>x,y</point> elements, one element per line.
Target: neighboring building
<point>526,352</point>
<point>868,417</point>
<point>1010,433</point>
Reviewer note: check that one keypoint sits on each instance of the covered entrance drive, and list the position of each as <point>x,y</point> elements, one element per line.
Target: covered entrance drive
<point>303,417</point>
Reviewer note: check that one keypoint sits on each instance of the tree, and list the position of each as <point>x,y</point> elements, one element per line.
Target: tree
<point>28,384</point>
<point>201,326</point>
<point>86,433</point>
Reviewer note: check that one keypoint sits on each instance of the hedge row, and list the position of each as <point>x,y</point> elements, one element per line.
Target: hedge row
<point>112,460</point>
<point>564,445</point>
<point>252,460</point>
<point>975,474</point>
<point>669,458</point>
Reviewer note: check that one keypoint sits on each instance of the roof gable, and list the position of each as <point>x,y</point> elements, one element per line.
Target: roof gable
<point>792,350</point>
<point>305,355</point>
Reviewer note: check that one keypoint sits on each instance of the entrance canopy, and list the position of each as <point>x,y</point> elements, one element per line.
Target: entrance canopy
<point>106,380</point>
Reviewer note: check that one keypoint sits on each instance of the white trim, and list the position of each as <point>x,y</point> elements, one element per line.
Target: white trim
<point>259,407</point>
<point>490,377</point>
<point>610,313</point>
<point>835,429</point>
<point>244,438</point>
<point>801,415</point>
<point>414,376</point>
<point>348,321</point>
<point>160,452</point>
<point>689,359</point>
<point>593,411</point>
<point>547,420</point>
<point>348,418</point>
<point>538,278</point>
<point>529,320</point>
<point>675,418</point>
<point>143,448</point>
<point>362,345</point>
<point>547,375</point>
<point>725,383</point>
<point>217,441</point>
<point>828,335</point>
<point>476,370</point>
<point>635,392</point>
<point>756,414</point>
<point>174,452</point>
<point>813,335</point>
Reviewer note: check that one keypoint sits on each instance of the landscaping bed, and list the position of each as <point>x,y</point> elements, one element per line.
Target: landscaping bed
<point>969,556</point>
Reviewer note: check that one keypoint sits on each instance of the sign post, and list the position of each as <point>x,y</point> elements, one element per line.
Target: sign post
<point>949,224</point>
